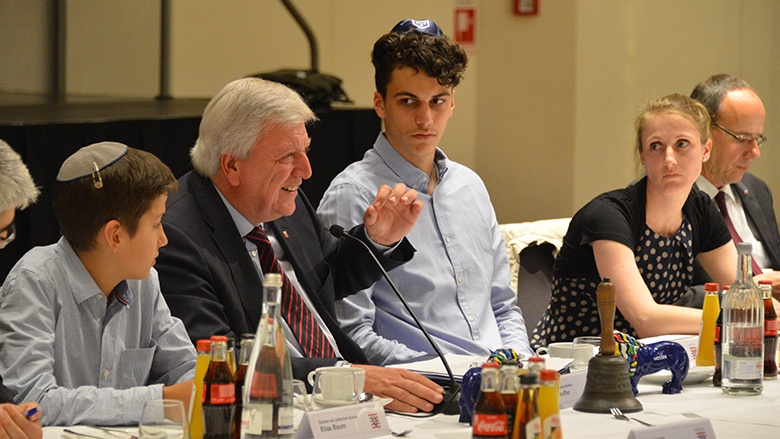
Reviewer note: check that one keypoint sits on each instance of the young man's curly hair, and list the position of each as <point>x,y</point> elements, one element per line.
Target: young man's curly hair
<point>437,56</point>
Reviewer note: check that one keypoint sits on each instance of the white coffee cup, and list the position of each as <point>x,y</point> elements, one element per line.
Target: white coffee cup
<point>337,384</point>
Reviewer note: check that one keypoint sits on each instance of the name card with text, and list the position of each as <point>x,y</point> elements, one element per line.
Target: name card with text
<point>347,422</point>
<point>693,429</point>
<point>572,386</point>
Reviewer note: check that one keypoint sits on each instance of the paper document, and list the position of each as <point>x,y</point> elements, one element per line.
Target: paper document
<point>460,364</point>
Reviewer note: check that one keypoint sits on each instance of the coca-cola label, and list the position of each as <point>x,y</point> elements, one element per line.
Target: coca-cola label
<point>717,334</point>
<point>770,328</point>
<point>222,394</point>
<point>488,424</point>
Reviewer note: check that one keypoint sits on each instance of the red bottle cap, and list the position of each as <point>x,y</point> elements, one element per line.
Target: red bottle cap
<point>711,286</point>
<point>204,345</point>
<point>548,375</point>
<point>219,338</point>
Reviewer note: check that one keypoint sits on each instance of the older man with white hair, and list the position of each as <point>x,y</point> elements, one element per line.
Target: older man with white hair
<point>17,191</point>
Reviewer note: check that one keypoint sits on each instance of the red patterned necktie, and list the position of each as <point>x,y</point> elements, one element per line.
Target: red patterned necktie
<point>295,312</point>
<point>720,199</point>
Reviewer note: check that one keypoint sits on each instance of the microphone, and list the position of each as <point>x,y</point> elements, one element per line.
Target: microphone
<point>449,404</point>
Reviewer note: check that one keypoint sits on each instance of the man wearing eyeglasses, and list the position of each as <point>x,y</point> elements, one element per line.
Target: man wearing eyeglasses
<point>745,201</point>
<point>17,191</point>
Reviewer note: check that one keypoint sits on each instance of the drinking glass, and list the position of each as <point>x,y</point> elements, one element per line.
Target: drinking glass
<point>163,419</point>
<point>583,348</point>
<point>301,400</point>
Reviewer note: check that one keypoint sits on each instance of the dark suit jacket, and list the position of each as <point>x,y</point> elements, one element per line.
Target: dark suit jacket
<point>760,212</point>
<point>210,282</point>
<point>6,396</point>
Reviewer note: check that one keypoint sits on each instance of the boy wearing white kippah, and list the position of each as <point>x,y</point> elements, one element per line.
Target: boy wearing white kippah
<point>84,329</point>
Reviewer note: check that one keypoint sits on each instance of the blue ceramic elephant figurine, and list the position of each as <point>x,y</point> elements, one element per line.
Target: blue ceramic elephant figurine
<point>472,380</point>
<point>647,359</point>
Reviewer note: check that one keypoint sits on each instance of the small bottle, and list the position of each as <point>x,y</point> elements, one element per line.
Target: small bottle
<point>489,413</point>
<point>231,354</point>
<point>535,365</point>
<point>709,314</point>
<point>247,342</point>
<point>201,366</point>
<point>219,394</point>
<point>717,351</point>
<point>527,422</point>
<point>549,404</point>
<point>743,331</point>
<point>770,331</point>
<point>268,395</point>
<point>509,393</point>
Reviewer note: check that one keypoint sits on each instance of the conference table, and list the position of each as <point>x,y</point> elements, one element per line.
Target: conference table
<point>731,417</point>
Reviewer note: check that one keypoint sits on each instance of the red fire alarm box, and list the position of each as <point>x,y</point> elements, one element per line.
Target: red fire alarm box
<point>465,26</point>
<point>526,7</point>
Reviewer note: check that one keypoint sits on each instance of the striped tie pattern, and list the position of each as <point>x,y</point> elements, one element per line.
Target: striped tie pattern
<point>294,311</point>
<point>720,199</point>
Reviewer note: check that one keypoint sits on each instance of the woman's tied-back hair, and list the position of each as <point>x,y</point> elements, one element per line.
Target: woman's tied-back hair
<point>677,104</point>
<point>437,56</point>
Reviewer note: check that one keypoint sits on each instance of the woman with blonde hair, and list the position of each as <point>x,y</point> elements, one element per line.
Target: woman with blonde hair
<point>644,237</point>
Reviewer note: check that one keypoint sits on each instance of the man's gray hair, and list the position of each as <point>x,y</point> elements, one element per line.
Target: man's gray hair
<point>17,189</point>
<point>236,117</point>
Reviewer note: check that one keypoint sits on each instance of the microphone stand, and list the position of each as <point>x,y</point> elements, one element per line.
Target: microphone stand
<point>453,391</point>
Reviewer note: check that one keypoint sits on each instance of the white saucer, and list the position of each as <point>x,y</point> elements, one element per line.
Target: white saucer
<point>336,403</point>
<point>696,375</point>
<point>329,402</point>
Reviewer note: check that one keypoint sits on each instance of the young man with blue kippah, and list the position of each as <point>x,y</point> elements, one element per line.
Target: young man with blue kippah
<point>458,283</point>
<point>84,329</point>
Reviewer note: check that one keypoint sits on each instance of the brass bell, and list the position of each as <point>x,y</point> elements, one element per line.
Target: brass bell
<point>607,384</point>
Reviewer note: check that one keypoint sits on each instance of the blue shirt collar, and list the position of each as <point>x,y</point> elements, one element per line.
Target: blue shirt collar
<point>409,175</point>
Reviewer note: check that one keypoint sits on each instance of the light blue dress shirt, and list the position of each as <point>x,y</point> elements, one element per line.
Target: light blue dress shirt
<point>85,358</point>
<point>458,281</point>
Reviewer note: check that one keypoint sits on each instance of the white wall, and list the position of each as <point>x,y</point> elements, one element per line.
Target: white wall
<point>545,113</point>
<point>631,51</point>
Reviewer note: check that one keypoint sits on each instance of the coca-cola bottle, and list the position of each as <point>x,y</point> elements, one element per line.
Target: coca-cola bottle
<point>509,381</point>
<point>489,414</point>
<point>770,331</point>
<point>219,394</point>
<point>268,397</point>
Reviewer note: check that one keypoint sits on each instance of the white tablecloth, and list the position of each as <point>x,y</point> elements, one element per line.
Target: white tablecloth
<point>732,417</point>
<point>755,417</point>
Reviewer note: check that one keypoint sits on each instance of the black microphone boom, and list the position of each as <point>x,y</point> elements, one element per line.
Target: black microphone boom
<point>449,396</point>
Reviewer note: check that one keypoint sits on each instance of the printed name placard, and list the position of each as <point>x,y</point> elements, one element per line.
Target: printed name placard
<point>352,421</point>
<point>692,429</point>
<point>572,386</point>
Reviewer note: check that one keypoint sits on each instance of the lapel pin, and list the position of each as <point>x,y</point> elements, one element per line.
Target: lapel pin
<point>284,232</point>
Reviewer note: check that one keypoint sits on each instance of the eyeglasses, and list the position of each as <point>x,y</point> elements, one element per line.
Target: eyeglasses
<point>744,139</point>
<point>10,235</point>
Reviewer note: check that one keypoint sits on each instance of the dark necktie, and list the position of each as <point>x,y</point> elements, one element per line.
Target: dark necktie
<point>721,200</point>
<point>294,311</point>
